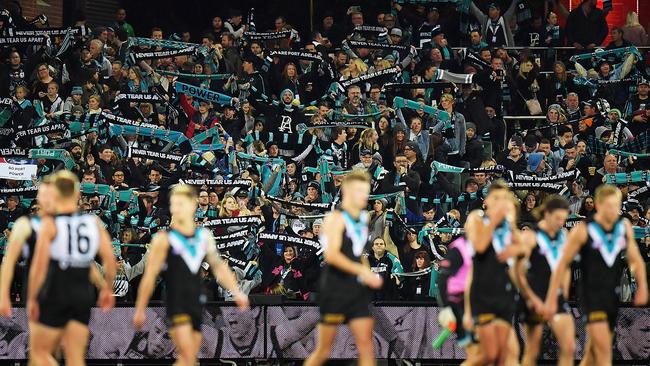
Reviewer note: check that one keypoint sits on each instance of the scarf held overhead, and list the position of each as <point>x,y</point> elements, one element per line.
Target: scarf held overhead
<point>156,155</point>
<point>205,94</point>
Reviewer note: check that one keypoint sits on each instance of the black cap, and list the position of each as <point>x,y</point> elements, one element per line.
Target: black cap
<point>151,188</point>
<point>249,59</point>
<point>469,181</point>
<point>586,103</point>
<point>602,61</point>
<point>531,140</point>
<point>314,184</point>
<point>413,146</point>
<point>428,207</point>
<point>562,130</point>
<point>437,30</point>
<point>633,204</point>
<point>365,152</point>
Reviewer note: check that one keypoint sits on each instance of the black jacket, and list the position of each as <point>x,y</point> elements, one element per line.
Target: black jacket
<point>383,267</point>
<point>474,152</point>
<point>586,29</point>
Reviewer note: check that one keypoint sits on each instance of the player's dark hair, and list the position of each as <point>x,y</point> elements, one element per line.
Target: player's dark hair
<point>555,202</point>
<point>550,204</point>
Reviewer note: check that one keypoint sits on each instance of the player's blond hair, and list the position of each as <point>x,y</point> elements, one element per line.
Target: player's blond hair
<point>184,190</point>
<point>66,183</point>
<point>498,185</point>
<point>356,175</point>
<point>607,190</point>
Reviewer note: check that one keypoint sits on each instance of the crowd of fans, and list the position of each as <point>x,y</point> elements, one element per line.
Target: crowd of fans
<point>433,112</point>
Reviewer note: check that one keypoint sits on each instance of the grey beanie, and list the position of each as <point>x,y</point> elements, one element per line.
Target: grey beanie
<point>377,156</point>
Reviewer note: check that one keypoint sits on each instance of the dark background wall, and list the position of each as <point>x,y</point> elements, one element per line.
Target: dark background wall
<point>196,15</point>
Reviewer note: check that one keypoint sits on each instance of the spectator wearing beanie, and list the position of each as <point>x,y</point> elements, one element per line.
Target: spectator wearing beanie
<point>74,99</point>
<point>473,147</point>
<point>313,193</point>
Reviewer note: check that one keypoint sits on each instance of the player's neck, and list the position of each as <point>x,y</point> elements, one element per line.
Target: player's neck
<point>351,209</point>
<point>604,223</point>
<point>66,208</point>
<point>185,227</point>
<point>547,228</point>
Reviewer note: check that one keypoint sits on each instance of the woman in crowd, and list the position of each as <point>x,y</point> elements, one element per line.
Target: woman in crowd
<point>633,31</point>
<point>385,141</point>
<point>249,117</point>
<point>285,275</point>
<point>527,206</point>
<point>355,69</point>
<point>419,287</point>
<point>43,76</point>
<point>558,84</point>
<point>378,218</point>
<point>588,208</point>
<point>136,83</point>
<point>410,246</point>
<point>367,141</point>
<point>527,87</point>
<point>229,206</point>
<point>399,139</point>
<point>94,104</point>
<point>289,79</point>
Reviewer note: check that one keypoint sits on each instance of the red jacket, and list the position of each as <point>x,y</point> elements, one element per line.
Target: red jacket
<point>194,117</point>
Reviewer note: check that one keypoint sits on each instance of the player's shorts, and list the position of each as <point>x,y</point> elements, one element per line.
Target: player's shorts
<point>486,312</point>
<point>66,295</point>
<point>183,313</point>
<point>597,313</point>
<point>527,316</point>
<point>347,303</point>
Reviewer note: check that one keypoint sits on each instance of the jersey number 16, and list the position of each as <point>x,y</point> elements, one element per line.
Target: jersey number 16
<point>81,239</point>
